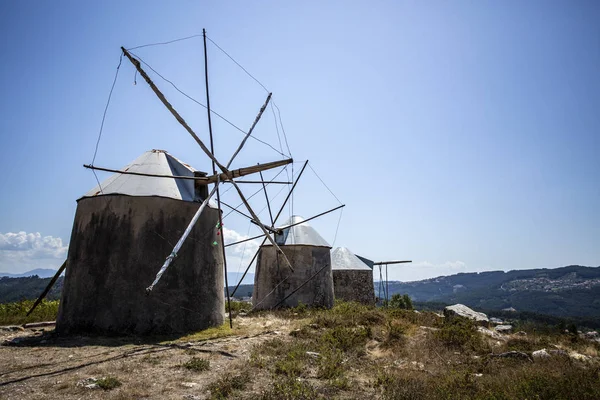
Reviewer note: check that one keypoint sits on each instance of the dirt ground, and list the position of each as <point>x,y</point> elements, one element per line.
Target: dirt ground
<point>36,364</point>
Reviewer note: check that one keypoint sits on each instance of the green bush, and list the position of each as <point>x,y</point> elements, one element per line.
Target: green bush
<point>346,339</point>
<point>401,301</point>
<point>16,313</point>
<point>460,333</point>
<point>108,383</point>
<point>197,364</point>
<point>228,384</point>
<point>290,389</point>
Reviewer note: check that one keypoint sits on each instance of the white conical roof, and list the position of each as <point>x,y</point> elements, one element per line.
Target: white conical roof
<point>342,258</point>
<point>157,162</point>
<point>301,234</point>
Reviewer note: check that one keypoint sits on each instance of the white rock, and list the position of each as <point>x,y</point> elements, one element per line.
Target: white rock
<point>489,332</point>
<point>504,328</point>
<point>539,354</point>
<point>592,335</point>
<point>463,311</point>
<point>189,384</point>
<point>579,357</point>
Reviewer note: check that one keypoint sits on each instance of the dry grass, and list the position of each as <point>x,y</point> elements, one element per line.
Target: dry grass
<point>351,351</point>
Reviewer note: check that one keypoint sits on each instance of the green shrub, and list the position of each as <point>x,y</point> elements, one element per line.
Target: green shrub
<point>396,334</point>
<point>197,364</point>
<point>331,364</point>
<point>16,313</point>
<point>228,384</point>
<point>460,333</point>
<point>401,301</point>
<point>108,383</point>
<point>346,339</point>
<point>293,362</point>
<point>290,389</point>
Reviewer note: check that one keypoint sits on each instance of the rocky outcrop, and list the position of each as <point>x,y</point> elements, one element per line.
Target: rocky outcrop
<point>504,329</point>
<point>460,310</point>
<point>540,354</point>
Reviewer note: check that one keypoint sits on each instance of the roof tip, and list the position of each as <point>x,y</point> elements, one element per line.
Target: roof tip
<point>158,151</point>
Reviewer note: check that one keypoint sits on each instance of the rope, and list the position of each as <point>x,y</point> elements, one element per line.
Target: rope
<point>163,43</point>
<point>238,64</point>
<point>261,85</point>
<point>317,175</point>
<point>103,119</point>
<point>106,108</point>
<point>338,227</point>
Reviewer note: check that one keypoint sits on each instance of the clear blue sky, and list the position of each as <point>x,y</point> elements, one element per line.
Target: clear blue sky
<point>462,135</point>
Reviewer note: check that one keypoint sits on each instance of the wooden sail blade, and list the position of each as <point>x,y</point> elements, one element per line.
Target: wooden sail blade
<point>260,113</point>
<point>166,103</point>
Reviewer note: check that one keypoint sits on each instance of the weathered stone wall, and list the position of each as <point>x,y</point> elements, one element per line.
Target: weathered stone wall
<point>118,244</point>
<point>272,271</point>
<point>354,285</point>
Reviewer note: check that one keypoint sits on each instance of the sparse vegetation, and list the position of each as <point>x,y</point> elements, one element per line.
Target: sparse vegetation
<point>197,364</point>
<point>227,385</point>
<point>238,307</point>
<point>290,389</point>
<point>357,351</point>
<point>108,383</point>
<point>210,333</point>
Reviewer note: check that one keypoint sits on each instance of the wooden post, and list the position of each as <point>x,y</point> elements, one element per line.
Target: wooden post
<point>267,198</point>
<point>212,150</point>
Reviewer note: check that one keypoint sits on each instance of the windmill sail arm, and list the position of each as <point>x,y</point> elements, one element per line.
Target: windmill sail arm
<point>236,173</point>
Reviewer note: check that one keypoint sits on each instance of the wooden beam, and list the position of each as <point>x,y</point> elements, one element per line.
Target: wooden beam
<point>260,225</point>
<point>274,221</point>
<point>202,180</point>
<point>260,113</point>
<point>166,103</point>
<point>288,226</point>
<point>236,173</point>
<point>249,217</point>
<point>391,262</point>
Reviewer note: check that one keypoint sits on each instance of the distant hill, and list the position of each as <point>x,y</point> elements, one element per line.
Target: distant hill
<point>567,291</point>
<point>572,291</point>
<point>16,289</point>
<point>41,272</point>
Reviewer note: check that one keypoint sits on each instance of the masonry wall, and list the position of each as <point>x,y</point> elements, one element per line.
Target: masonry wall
<point>118,244</point>
<point>273,280</point>
<point>354,285</point>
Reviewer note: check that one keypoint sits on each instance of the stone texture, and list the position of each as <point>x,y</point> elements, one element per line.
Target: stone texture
<point>465,312</point>
<point>504,328</point>
<point>540,354</point>
<point>118,244</point>
<point>273,280</point>
<point>354,285</point>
